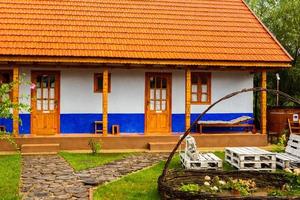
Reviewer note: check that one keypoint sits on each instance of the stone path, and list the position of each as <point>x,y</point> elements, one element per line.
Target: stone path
<point>50,177</point>
<point>117,169</point>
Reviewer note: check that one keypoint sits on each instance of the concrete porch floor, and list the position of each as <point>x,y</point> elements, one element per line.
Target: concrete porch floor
<point>138,142</point>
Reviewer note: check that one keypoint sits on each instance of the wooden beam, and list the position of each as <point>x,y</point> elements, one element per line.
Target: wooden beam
<point>187,98</point>
<point>200,63</point>
<point>105,102</point>
<point>15,100</point>
<point>263,103</point>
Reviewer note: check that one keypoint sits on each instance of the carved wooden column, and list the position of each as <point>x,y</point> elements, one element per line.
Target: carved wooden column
<point>263,103</point>
<point>15,100</point>
<point>187,98</point>
<point>105,102</point>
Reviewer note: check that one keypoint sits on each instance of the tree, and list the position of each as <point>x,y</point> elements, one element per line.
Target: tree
<point>282,17</point>
<point>6,106</point>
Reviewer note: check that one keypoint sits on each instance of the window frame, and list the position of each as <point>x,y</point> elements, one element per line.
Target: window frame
<point>10,73</point>
<point>199,92</point>
<point>100,75</point>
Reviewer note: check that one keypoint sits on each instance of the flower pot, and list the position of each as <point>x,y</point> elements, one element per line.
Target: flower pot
<point>235,193</point>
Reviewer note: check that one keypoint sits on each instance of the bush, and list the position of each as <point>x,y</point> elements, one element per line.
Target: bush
<point>95,146</point>
<point>190,188</point>
<point>7,105</point>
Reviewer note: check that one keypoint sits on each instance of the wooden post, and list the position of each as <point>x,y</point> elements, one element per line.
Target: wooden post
<point>263,103</point>
<point>187,98</point>
<point>15,100</point>
<point>105,102</point>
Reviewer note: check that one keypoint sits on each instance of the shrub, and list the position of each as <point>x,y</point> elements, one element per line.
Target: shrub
<point>6,105</point>
<point>95,146</point>
<point>190,188</point>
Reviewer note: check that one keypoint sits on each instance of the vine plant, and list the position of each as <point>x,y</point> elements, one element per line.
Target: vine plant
<point>7,106</point>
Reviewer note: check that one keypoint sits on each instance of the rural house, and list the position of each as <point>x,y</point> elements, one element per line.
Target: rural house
<point>146,67</point>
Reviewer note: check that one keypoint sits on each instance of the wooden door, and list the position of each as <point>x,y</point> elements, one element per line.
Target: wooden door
<point>45,103</point>
<point>158,103</point>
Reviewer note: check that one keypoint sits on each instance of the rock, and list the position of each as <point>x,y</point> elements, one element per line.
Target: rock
<point>90,181</point>
<point>207,178</point>
<point>297,171</point>
<point>40,194</point>
<point>288,170</point>
<point>64,196</point>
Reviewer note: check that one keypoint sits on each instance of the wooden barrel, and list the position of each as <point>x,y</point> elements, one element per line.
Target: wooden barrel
<point>278,116</point>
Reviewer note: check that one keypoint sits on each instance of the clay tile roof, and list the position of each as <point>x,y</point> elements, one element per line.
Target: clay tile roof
<point>202,30</point>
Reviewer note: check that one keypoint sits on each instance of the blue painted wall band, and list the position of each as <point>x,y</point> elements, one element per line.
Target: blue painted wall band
<point>129,123</point>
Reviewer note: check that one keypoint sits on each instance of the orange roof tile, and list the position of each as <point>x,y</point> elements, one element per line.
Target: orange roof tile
<point>199,30</point>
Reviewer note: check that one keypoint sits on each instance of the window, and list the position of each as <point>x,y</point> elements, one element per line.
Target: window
<point>98,82</point>
<point>5,78</point>
<point>201,90</point>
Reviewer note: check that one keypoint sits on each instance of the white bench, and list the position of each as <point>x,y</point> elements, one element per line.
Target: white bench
<point>291,157</point>
<point>190,158</point>
<point>250,159</point>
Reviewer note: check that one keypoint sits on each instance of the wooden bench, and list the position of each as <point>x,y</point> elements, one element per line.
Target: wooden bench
<point>115,129</point>
<point>250,159</point>
<point>291,157</point>
<point>190,158</point>
<point>97,124</point>
<point>2,128</point>
<point>234,123</point>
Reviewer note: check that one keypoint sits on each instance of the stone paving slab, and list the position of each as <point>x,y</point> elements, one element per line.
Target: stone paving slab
<point>50,177</point>
<point>119,168</point>
<point>47,177</point>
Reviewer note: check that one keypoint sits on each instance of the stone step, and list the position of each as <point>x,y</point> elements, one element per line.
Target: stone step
<point>27,149</point>
<point>162,146</point>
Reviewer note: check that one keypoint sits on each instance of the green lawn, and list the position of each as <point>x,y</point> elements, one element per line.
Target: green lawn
<point>140,185</point>
<point>226,165</point>
<point>143,184</point>
<point>9,176</point>
<point>81,161</point>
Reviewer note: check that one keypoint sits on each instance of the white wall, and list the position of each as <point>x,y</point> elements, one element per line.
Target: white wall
<point>77,92</point>
<point>24,90</point>
<point>224,83</point>
<point>128,91</point>
<point>178,92</point>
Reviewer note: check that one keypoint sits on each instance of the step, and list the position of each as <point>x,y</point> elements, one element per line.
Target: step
<point>162,146</point>
<point>27,149</point>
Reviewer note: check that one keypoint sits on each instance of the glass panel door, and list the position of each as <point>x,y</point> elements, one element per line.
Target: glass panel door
<point>158,93</point>
<point>45,93</point>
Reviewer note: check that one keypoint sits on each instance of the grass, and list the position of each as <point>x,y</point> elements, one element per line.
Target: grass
<point>143,184</point>
<point>81,161</point>
<point>140,185</point>
<point>226,165</point>
<point>9,176</point>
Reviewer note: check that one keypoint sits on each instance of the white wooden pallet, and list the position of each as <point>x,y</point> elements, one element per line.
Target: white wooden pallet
<point>291,157</point>
<point>205,161</point>
<point>250,158</point>
<point>293,145</point>
<point>286,160</point>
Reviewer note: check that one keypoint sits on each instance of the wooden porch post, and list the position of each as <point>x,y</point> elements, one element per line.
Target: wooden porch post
<point>15,100</point>
<point>187,98</point>
<point>263,103</point>
<point>105,101</point>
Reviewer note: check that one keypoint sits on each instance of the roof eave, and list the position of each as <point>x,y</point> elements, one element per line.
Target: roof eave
<point>182,62</point>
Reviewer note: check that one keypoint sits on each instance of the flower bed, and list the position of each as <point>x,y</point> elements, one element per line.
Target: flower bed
<point>227,185</point>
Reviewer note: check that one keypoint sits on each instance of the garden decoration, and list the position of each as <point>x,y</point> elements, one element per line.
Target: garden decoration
<point>192,184</point>
<point>190,158</point>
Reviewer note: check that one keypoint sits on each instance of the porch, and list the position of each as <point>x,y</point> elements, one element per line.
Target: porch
<point>74,105</point>
<point>138,142</point>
